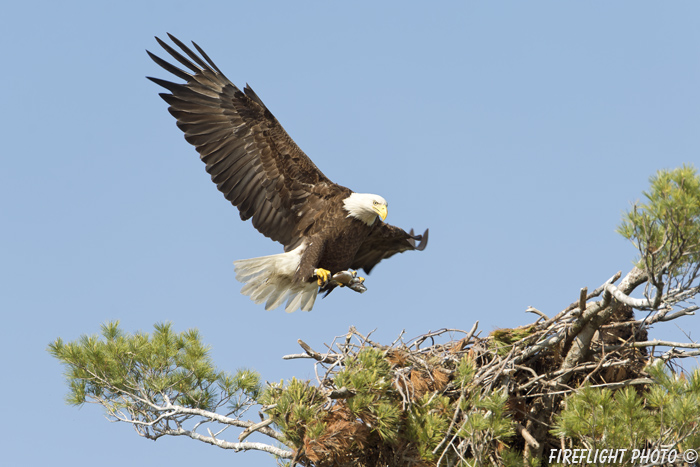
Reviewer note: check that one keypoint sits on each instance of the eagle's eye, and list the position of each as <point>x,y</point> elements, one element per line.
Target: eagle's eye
<point>375,202</point>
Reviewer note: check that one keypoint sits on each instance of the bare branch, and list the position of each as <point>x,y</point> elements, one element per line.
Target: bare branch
<point>582,299</point>
<point>315,355</point>
<point>225,420</point>
<point>253,428</point>
<point>638,303</point>
<point>229,445</point>
<point>529,439</point>
<point>534,310</point>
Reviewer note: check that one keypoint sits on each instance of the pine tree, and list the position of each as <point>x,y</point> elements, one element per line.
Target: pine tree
<point>587,378</point>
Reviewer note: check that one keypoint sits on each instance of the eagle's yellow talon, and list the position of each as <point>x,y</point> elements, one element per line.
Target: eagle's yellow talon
<point>323,275</point>
<point>361,279</point>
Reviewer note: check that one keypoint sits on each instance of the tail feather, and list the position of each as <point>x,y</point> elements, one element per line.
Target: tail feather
<point>308,299</point>
<point>270,280</point>
<point>293,303</point>
<point>276,298</point>
<point>249,268</point>
<point>260,294</point>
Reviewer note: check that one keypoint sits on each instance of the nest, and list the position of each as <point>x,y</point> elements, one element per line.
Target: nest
<point>532,365</point>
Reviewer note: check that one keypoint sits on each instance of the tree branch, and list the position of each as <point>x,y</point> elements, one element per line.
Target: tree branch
<point>224,420</point>
<point>638,303</point>
<point>253,428</point>
<point>229,445</point>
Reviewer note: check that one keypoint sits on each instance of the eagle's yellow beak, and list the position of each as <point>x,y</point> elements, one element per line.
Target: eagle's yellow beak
<point>381,210</point>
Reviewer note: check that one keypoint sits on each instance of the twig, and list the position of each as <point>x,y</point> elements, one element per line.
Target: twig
<point>313,354</point>
<point>529,439</point>
<point>342,393</point>
<point>253,428</point>
<point>583,295</point>
<point>534,310</point>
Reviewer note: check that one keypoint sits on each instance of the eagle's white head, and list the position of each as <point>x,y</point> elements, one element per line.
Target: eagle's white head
<point>365,207</point>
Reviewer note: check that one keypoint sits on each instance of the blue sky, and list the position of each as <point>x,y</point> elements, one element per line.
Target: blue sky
<point>516,131</point>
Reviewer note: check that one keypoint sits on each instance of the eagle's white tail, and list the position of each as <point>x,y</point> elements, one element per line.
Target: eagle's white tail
<point>270,279</point>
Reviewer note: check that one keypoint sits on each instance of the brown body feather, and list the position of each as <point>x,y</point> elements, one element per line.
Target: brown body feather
<point>261,171</point>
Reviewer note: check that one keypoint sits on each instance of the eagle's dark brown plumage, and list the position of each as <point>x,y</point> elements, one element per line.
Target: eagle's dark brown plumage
<point>324,227</point>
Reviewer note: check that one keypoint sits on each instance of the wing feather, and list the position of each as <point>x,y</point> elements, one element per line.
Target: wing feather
<point>250,157</point>
<point>385,241</point>
<point>171,68</point>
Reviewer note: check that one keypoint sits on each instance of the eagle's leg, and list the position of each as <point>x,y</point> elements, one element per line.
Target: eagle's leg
<point>323,275</point>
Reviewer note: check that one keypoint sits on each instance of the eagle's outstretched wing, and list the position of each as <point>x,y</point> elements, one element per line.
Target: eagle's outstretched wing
<point>386,240</point>
<point>250,157</point>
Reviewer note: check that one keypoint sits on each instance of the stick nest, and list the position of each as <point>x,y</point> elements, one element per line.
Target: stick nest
<point>430,401</point>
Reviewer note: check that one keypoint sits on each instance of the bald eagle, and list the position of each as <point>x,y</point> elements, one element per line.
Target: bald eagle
<point>327,230</point>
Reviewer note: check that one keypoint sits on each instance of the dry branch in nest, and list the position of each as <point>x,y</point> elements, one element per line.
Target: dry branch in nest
<point>448,377</point>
